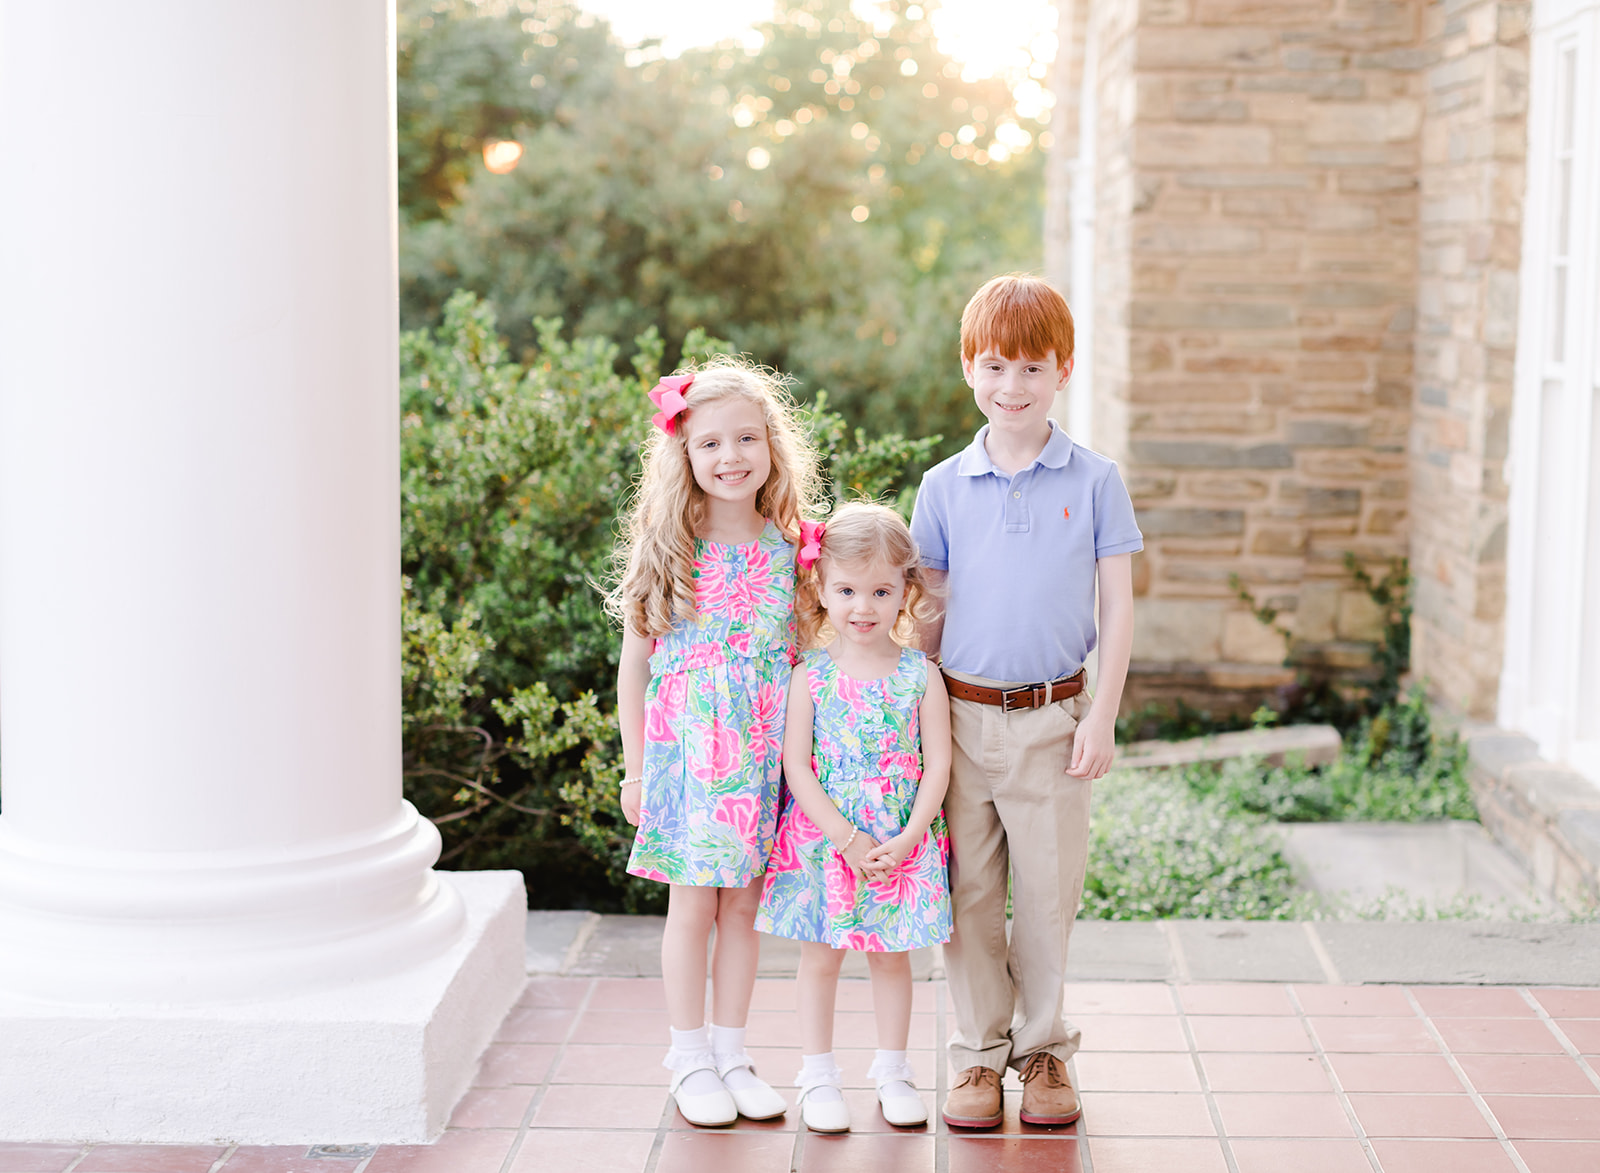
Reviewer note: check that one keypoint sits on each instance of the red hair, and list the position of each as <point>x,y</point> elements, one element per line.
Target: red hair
<point>1017,317</point>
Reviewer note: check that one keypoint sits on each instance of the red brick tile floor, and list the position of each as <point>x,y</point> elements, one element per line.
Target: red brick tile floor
<point>1248,1078</point>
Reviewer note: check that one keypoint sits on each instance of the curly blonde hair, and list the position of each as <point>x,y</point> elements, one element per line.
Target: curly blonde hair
<point>655,552</point>
<point>860,533</point>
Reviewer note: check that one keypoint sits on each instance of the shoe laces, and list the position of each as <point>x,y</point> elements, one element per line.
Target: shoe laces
<point>1044,1064</point>
<point>978,1074</point>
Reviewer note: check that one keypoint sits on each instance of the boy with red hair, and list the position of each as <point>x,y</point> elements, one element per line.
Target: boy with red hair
<point>1023,526</point>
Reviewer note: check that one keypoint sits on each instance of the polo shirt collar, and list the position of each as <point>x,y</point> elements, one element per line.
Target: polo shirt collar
<point>975,460</point>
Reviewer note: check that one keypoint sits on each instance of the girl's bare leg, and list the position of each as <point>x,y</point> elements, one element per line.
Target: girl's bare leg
<point>816,990</point>
<point>690,914</point>
<point>736,955</point>
<point>891,1004</point>
<point>891,998</point>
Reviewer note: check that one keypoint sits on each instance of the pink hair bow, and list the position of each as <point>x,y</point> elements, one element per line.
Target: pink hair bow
<point>810,543</point>
<point>668,395</point>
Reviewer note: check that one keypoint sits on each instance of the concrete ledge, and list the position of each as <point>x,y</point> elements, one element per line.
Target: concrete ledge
<point>1545,814</point>
<point>364,1061</point>
<point>1464,952</point>
<point>1444,952</point>
<point>1317,745</point>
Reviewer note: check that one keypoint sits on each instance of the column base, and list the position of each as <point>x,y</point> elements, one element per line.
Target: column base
<point>378,1061</point>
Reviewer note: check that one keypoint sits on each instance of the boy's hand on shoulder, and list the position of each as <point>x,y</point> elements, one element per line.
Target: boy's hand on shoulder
<point>1094,747</point>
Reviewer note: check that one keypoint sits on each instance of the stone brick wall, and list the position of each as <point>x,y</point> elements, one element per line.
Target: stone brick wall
<point>1472,174</point>
<point>1257,258</point>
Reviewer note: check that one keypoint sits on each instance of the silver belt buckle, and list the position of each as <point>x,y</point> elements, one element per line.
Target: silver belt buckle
<point>1038,694</point>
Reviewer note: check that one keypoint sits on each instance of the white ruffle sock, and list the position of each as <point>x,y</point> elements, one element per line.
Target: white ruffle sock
<point>698,1089</point>
<point>822,1105</point>
<point>752,1095</point>
<point>901,1104</point>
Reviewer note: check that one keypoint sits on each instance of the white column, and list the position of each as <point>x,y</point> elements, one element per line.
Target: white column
<point>199,551</point>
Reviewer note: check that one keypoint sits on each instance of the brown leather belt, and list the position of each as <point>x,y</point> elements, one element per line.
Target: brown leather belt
<point>1027,696</point>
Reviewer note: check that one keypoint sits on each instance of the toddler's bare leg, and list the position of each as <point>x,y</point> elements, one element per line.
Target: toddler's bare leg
<point>891,998</point>
<point>816,990</point>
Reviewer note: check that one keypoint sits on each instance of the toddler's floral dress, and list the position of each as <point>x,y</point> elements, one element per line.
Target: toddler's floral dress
<point>713,720</point>
<point>867,754</point>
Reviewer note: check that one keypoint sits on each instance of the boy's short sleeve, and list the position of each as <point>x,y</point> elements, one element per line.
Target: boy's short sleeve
<point>929,527</point>
<point>1115,530</point>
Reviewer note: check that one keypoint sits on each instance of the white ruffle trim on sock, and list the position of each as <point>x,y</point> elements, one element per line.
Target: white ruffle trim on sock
<point>882,1072</point>
<point>684,1061</point>
<point>827,1077</point>
<point>727,1063</point>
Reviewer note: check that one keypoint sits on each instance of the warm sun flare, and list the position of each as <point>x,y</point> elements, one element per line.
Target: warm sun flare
<point>989,37</point>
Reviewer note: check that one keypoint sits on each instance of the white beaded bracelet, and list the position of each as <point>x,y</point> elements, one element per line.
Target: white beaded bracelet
<point>627,782</point>
<point>854,831</point>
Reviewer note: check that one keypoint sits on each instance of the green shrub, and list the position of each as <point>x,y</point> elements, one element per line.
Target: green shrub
<point>1157,849</point>
<point>512,476</point>
<point>1395,768</point>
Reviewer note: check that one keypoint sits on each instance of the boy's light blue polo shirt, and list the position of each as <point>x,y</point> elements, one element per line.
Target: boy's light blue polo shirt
<point>1020,551</point>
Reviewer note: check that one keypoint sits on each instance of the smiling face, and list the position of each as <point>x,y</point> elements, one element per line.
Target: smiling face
<point>728,451</point>
<point>863,600</point>
<point>1016,394</point>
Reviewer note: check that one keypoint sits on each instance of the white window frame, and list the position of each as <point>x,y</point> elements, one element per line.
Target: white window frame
<point>1550,683</point>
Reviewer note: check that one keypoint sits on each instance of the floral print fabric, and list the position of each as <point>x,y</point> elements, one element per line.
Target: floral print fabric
<point>713,720</point>
<point>867,752</point>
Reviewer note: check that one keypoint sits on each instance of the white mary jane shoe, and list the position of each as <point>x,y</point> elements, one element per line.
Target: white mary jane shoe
<point>710,1109</point>
<point>757,1101</point>
<point>824,1115</point>
<point>902,1110</point>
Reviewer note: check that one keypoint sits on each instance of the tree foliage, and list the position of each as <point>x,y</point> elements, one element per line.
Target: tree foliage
<point>812,202</point>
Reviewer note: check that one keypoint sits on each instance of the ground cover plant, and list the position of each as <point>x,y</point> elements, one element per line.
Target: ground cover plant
<point>1157,849</point>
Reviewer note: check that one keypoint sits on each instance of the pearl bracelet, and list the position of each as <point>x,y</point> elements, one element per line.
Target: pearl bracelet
<point>627,782</point>
<point>854,831</point>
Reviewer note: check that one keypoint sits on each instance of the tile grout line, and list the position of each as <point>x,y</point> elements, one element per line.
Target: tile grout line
<point>941,1078</point>
<point>79,1159</point>
<point>1561,1035</point>
<point>1330,972</point>
<point>1085,1157</point>
<point>1200,1072</point>
<point>227,1156</point>
<point>1461,1074</point>
<point>549,1074</point>
<point>656,1145</point>
<point>1333,1079</point>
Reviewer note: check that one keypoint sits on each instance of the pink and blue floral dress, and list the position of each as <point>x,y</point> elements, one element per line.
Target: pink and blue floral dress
<point>867,752</point>
<point>713,720</point>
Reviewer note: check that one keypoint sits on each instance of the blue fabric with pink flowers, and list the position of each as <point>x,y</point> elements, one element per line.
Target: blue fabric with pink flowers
<point>867,752</point>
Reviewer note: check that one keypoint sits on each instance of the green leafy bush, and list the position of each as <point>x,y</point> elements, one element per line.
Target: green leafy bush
<point>1157,849</point>
<point>512,477</point>
<point>1394,769</point>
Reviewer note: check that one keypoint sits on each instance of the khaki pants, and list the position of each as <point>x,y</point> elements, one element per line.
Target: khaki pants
<point>1013,809</point>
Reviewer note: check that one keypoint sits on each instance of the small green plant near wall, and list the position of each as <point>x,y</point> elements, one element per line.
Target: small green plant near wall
<point>1394,768</point>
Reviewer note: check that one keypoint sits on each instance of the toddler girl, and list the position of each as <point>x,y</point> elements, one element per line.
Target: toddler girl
<point>860,856</point>
<point>707,603</point>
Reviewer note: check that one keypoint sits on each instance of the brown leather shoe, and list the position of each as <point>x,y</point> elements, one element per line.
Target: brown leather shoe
<point>1047,1094</point>
<point>974,1101</point>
